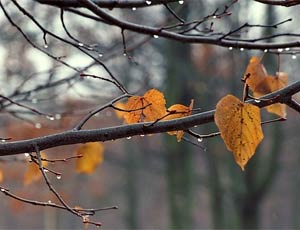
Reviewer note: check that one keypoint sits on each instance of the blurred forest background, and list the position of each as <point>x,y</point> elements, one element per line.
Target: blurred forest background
<point>156,182</point>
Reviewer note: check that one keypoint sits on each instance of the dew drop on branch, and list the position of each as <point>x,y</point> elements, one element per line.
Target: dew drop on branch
<point>155,36</point>
<point>45,46</point>
<point>50,117</point>
<point>134,8</point>
<point>230,48</point>
<point>266,51</point>
<point>38,125</point>
<point>45,170</point>
<point>242,49</point>
<point>58,177</point>
<point>294,57</point>
<point>200,139</point>
<point>128,138</point>
<point>257,100</point>
<point>148,2</point>
<point>279,50</point>
<point>181,2</point>
<point>26,155</point>
<point>2,190</point>
<point>287,49</point>
<point>80,44</point>
<point>57,116</point>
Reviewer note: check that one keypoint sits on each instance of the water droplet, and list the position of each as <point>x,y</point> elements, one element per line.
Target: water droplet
<point>80,44</point>
<point>3,140</point>
<point>294,57</point>
<point>26,154</point>
<point>242,49</point>
<point>50,117</point>
<point>280,49</point>
<point>200,139</point>
<point>134,8</point>
<point>214,17</point>
<point>148,2</point>
<point>128,138</point>
<point>155,36</point>
<point>38,125</point>
<point>34,100</point>
<point>57,116</point>
<point>124,54</point>
<point>287,49</point>
<point>2,190</point>
<point>195,126</point>
<point>45,46</point>
<point>58,177</point>
<point>230,48</point>
<point>49,201</point>
<point>266,51</point>
<point>257,100</point>
<point>181,2</point>
<point>100,55</point>
<point>142,135</point>
<point>45,170</point>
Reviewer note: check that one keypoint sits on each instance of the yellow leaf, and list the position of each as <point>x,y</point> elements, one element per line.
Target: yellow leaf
<point>120,105</point>
<point>92,156</point>
<point>240,127</point>
<point>150,107</point>
<point>178,111</point>
<point>260,83</point>
<point>33,172</point>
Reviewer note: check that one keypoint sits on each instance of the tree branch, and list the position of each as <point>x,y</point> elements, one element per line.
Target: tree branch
<point>106,3</point>
<point>161,32</point>
<point>286,3</point>
<point>118,132</point>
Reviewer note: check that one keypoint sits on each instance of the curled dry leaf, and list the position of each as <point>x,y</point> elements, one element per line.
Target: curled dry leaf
<point>178,111</point>
<point>260,83</point>
<point>240,127</point>
<point>150,107</point>
<point>91,156</point>
<point>33,172</point>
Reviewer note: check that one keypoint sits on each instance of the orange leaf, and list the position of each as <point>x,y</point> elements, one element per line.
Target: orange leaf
<point>150,107</point>
<point>178,111</point>
<point>260,83</point>
<point>257,73</point>
<point>120,105</point>
<point>272,84</point>
<point>240,127</point>
<point>1,176</point>
<point>92,156</point>
<point>33,172</point>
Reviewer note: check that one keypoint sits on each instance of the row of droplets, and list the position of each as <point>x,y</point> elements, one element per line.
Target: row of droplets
<point>280,50</point>
<point>150,2</point>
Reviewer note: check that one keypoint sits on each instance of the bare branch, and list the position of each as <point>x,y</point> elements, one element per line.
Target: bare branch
<point>286,3</point>
<point>106,3</point>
